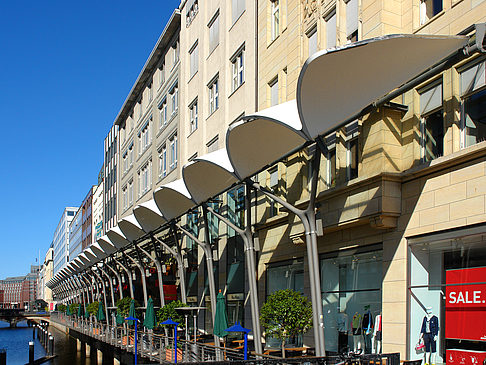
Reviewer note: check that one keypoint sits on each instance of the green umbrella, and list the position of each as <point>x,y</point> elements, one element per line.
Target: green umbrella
<point>100,316</point>
<point>131,312</point>
<point>119,319</point>
<point>86,313</point>
<point>68,311</point>
<point>220,317</point>
<point>80,311</point>
<point>149,321</point>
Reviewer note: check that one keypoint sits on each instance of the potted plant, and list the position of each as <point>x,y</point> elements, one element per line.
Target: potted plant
<point>286,314</point>
<point>170,354</point>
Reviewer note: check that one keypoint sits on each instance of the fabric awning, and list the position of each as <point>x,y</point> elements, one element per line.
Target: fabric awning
<point>259,140</point>
<point>336,84</point>
<point>173,199</point>
<point>149,216</point>
<point>131,228</point>
<point>209,175</point>
<point>117,237</point>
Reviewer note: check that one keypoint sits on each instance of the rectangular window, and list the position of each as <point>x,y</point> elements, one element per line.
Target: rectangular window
<point>331,161</point>
<point>130,154</point>
<point>212,145</point>
<point>194,56</point>
<point>125,161</point>
<point>192,10</point>
<point>163,113</point>
<point>150,92</point>
<point>237,8</point>
<point>175,53</point>
<point>432,122</point>
<point>352,152</point>
<point>214,32</point>
<point>193,116</point>
<point>331,29</point>
<point>274,92</point>
<point>352,20</point>
<point>125,197</point>
<point>213,95</point>
<point>161,74</point>
<point>273,184</point>
<point>145,137</point>
<point>237,70</point>
<point>312,42</point>
<point>174,98</point>
<point>428,9</point>
<point>273,177</point>
<point>163,162</point>
<point>173,152</point>
<point>145,178</point>
<point>130,192</point>
<point>275,18</point>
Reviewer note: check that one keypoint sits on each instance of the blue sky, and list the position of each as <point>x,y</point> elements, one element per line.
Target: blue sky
<point>65,70</point>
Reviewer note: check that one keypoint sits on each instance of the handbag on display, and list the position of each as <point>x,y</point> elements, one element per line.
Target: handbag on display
<point>420,346</point>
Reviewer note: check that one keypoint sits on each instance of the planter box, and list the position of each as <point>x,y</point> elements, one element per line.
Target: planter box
<point>169,355</point>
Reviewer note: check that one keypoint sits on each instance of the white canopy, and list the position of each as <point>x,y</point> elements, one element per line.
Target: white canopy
<point>82,256</point>
<point>117,237</point>
<point>106,245</point>
<point>258,140</point>
<point>149,216</point>
<point>336,84</point>
<point>81,264</point>
<point>173,199</point>
<point>209,175</point>
<point>131,228</point>
<point>98,251</point>
<point>91,256</point>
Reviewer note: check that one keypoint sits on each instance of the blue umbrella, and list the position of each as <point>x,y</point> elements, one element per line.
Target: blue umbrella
<point>175,324</point>
<point>133,319</point>
<point>239,328</point>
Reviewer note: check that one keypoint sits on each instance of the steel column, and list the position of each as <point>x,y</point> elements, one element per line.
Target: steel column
<point>129,274</point>
<point>144,283</point>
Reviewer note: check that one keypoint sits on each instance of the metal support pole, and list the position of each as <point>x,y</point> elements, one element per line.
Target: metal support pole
<point>308,218</point>
<point>104,294</point>
<point>180,264</point>
<point>159,275</point>
<point>144,283</point>
<point>129,274</point>
<point>111,286</point>
<point>209,265</point>
<point>247,238</point>
<point>118,277</point>
<point>89,288</point>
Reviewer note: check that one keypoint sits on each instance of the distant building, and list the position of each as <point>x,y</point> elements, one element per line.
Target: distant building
<point>87,221</point>
<point>110,178</point>
<point>75,234</point>
<point>19,291</point>
<point>97,215</point>
<point>61,238</point>
<point>45,274</point>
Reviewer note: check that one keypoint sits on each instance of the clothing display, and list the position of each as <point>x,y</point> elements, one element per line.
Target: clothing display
<point>429,331</point>
<point>342,322</point>
<point>356,324</point>
<point>367,326</point>
<point>377,330</point>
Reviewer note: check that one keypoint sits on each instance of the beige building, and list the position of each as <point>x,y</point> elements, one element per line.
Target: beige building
<point>400,194</point>
<point>149,124</point>
<point>45,274</point>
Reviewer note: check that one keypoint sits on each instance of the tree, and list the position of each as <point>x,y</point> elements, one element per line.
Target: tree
<point>123,306</point>
<point>286,314</point>
<point>92,308</point>
<point>73,307</point>
<point>61,308</point>
<point>168,311</point>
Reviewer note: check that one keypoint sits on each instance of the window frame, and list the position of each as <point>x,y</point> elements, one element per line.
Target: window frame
<point>275,19</point>
<point>213,88</point>
<point>238,68</point>
<point>193,116</point>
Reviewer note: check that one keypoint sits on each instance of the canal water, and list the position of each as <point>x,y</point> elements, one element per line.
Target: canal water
<point>16,342</point>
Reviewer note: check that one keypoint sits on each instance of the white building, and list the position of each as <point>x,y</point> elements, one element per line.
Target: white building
<point>75,229</point>
<point>97,217</point>
<point>61,238</point>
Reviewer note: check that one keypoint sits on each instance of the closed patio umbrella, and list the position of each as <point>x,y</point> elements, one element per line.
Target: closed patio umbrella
<point>149,321</point>
<point>86,313</point>
<point>119,319</point>
<point>220,317</point>
<point>68,311</point>
<point>100,316</point>
<point>131,312</point>
<point>80,311</point>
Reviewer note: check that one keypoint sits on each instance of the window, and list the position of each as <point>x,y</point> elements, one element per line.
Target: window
<point>173,152</point>
<point>161,74</point>
<point>144,137</point>
<point>331,161</point>
<point>175,53</point>
<point>193,55</point>
<point>214,32</point>
<point>150,92</point>
<point>275,18</point>
<point>352,150</point>
<point>273,178</point>
<point>163,113</point>
<point>274,92</point>
<point>193,116</point>
<point>125,197</point>
<point>352,20</point>
<point>139,106</point>
<point>213,95</point>
<point>237,8</point>
<point>312,41</point>
<point>192,10</point>
<point>130,155</point>
<point>145,178</point>
<point>473,118</point>
<point>174,98</point>
<point>428,9</point>
<point>432,122</point>
<point>330,21</point>
<point>212,145</point>
<point>130,192</point>
<point>237,70</point>
<point>273,184</point>
<point>125,161</point>
<point>163,162</point>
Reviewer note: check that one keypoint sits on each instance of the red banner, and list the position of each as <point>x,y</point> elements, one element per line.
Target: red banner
<point>466,304</point>
<point>465,357</point>
<point>170,292</point>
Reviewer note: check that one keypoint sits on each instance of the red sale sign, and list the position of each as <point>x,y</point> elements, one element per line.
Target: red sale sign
<point>465,357</point>
<point>466,304</point>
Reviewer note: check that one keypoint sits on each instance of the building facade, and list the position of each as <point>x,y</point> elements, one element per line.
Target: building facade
<point>61,238</point>
<point>110,178</point>
<point>87,219</point>
<point>20,292</point>
<point>98,211</point>
<point>75,235</point>
<point>45,274</point>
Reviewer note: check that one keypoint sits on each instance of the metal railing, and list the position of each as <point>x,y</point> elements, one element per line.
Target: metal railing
<point>160,348</point>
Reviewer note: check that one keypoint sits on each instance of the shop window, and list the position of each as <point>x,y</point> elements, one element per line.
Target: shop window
<point>235,253</point>
<point>331,25</point>
<point>352,20</point>
<point>280,276</point>
<point>351,282</point>
<point>191,253</point>
<point>275,18</point>
<point>447,282</point>
<point>428,9</point>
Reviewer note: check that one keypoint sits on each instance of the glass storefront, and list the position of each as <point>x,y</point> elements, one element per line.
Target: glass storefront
<point>351,282</point>
<point>446,298</point>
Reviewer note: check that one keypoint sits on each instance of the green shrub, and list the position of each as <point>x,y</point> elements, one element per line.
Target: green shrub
<point>74,308</point>
<point>93,308</point>
<point>123,307</point>
<point>168,311</point>
<point>61,308</point>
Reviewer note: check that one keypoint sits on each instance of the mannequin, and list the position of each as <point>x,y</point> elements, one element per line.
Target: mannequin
<point>377,336</point>
<point>356,325</point>
<point>429,333</point>
<point>367,327</point>
<point>342,327</point>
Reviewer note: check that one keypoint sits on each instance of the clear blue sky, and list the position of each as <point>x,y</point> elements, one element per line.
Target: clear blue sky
<point>65,70</point>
